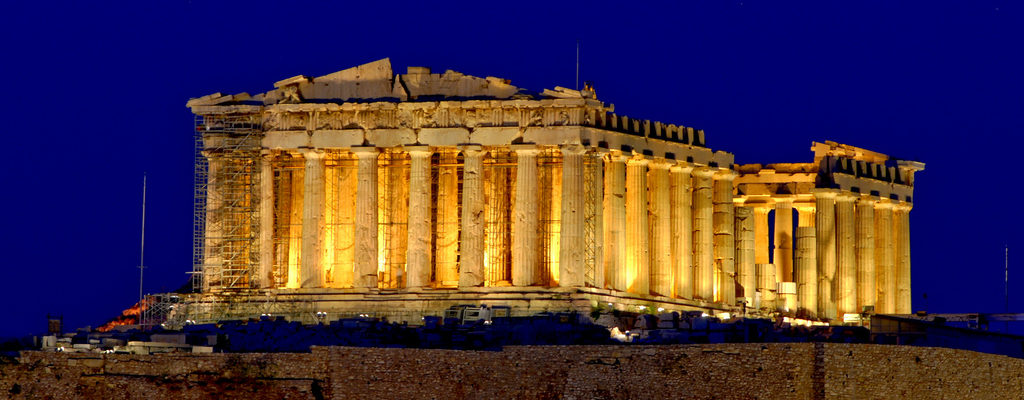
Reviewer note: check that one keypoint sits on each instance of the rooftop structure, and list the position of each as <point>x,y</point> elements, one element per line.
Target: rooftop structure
<point>365,192</point>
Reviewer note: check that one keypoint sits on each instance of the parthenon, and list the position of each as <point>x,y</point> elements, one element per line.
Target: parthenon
<point>399,195</point>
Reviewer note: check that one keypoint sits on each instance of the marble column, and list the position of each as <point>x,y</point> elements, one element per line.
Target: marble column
<point>805,216</point>
<point>637,243</point>
<point>762,249</point>
<point>825,237</point>
<point>901,233</point>
<point>724,222</point>
<point>418,258</point>
<point>471,239</point>
<point>846,266</point>
<point>571,248</point>
<point>782,256</point>
<point>311,272</point>
<point>682,230</point>
<point>806,262</point>
<point>865,252</point>
<point>366,218</point>
<point>885,259</point>
<point>703,235</point>
<point>265,278</point>
<point>746,276</point>
<point>524,222</point>
<point>661,229</point>
<point>766,286</point>
<point>615,221</point>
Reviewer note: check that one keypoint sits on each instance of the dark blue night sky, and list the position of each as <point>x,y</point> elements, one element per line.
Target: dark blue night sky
<point>95,96</point>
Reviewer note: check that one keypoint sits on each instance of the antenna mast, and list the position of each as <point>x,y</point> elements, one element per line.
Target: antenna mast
<point>577,64</point>
<point>142,245</point>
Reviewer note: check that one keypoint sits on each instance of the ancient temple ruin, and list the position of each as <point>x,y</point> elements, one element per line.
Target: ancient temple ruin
<point>364,192</point>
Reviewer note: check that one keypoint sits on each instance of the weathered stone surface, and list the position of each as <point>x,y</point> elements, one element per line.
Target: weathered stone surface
<point>721,371</point>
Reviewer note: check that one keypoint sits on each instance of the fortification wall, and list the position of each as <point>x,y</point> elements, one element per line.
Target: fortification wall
<point>792,371</point>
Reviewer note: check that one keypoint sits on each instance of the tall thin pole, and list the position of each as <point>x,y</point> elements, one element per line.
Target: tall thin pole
<point>1006,284</point>
<point>142,244</point>
<point>577,64</point>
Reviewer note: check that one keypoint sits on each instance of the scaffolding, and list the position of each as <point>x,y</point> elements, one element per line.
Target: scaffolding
<point>499,172</point>
<point>392,217</point>
<point>593,176</point>
<point>446,192</point>
<point>549,212</point>
<point>225,249</point>
<point>164,309</point>
<point>288,171</point>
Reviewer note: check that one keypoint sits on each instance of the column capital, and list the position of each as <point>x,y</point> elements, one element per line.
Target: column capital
<point>867,200</point>
<point>311,153</point>
<point>725,174</point>
<point>824,193</point>
<point>846,197</point>
<point>472,150</point>
<point>660,163</point>
<point>420,151</point>
<point>572,149</point>
<point>784,200</point>
<point>883,204</point>
<point>902,206</point>
<point>703,172</point>
<point>525,149</point>
<point>638,159</point>
<point>617,156</point>
<point>365,151</point>
<point>682,166</point>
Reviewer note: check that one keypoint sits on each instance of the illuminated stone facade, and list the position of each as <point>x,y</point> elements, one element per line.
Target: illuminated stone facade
<point>366,192</point>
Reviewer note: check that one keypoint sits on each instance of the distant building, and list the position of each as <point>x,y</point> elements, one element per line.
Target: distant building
<point>364,192</point>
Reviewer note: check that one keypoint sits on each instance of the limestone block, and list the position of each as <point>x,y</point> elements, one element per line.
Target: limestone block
<point>289,140</point>
<point>335,139</point>
<point>553,135</point>
<point>494,136</point>
<point>391,137</point>
<point>443,136</point>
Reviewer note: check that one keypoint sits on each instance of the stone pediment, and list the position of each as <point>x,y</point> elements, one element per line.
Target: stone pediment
<point>376,81</point>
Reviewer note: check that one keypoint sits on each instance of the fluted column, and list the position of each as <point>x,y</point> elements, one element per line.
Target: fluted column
<point>571,247</point>
<point>661,229</point>
<point>418,258</point>
<point>805,216</point>
<point>524,222</point>
<point>725,241</point>
<point>471,240</point>
<point>615,221</point>
<point>846,266</point>
<point>762,249</point>
<point>901,231</point>
<point>637,243</point>
<point>366,218</point>
<point>703,235</point>
<point>313,222</point>
<point>805,258</point>
<point>885,259</point>
<point>865,252</point>
<point>782,255</point>
<point>682,230</point>
<point>766,286</point>
<point>265,278</point>
<point>746,276</point>
<point>825,237</point>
